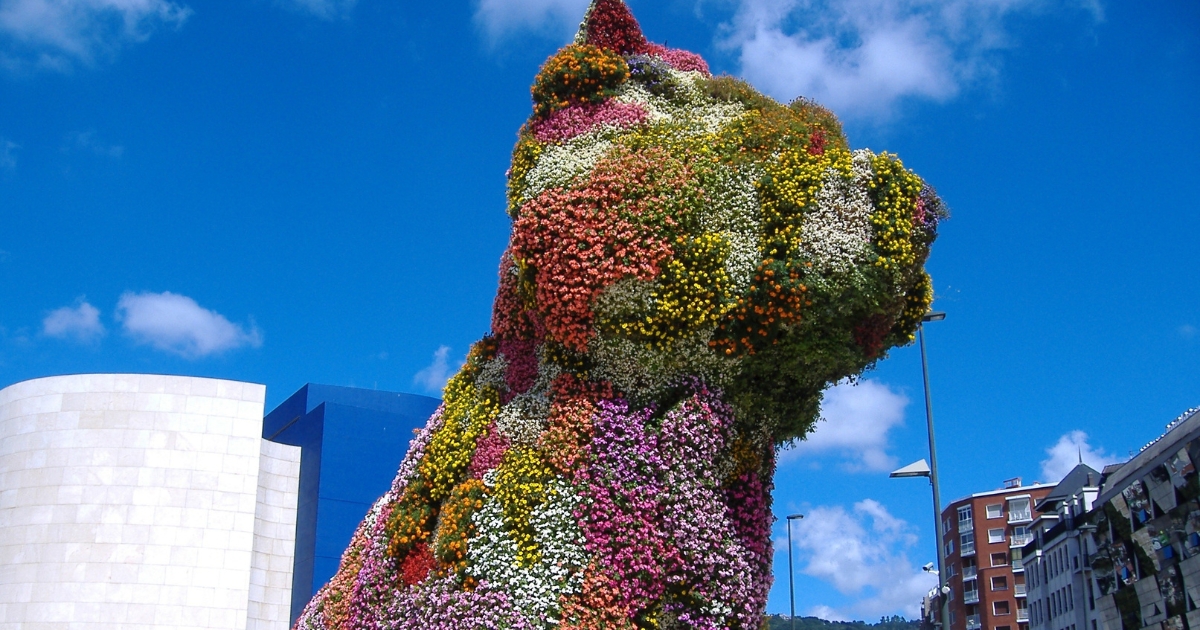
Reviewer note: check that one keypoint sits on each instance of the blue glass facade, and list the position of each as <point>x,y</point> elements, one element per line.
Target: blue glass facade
<point>352,441</point>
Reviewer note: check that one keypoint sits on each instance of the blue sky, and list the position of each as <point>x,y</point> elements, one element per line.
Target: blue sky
<point>313,190</point>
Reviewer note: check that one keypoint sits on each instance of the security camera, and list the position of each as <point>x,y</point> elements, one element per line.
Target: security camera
<point>928,568</point>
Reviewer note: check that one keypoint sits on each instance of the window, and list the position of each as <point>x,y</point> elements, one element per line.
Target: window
<point>1003,627</point>
<point>1021,535</point>
<point>996,535</point>
<point>950,547</point>
<point>965,519</point>
<point>946,525</point>
<point>996,510</point>
<point>1000,583</point>
<point>1018,510</point>
<point>951,571</point>
<point>1000,608</point>
<point>999,559</point>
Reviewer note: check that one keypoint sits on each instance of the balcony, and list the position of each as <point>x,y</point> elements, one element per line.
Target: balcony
<point>1020,516</point>
<point>968,549</point>
<point>971,596</point>
<point>1020,540</point>
<point>970,573</point>
<point>1018,565</point>
<point>1019,590</point>
<point>1022,615</point>
<point>966,526</point>
<point>973,622</point>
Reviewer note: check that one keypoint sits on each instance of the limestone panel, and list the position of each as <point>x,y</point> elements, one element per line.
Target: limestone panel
<point>132,501</point>
<point>274,537</point>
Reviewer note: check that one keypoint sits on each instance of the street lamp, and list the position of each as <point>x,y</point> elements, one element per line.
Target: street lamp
<point>791,579</point>
<point>921,469</point>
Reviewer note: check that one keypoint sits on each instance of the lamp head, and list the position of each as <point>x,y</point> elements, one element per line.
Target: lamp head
<point>933,316</point>
<point>919,468</point>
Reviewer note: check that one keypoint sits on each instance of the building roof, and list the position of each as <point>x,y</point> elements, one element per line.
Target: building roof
<point>1179,432</point>
<point>1081,476</point>
<point>1018,490</point>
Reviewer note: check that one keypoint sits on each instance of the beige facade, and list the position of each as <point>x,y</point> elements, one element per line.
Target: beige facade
<point>138,501</point>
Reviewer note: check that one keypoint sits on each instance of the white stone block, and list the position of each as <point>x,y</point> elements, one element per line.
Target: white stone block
<point>125,497</point>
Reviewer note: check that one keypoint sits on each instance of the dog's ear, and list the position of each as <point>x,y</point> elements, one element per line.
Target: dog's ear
<point>610,24</point>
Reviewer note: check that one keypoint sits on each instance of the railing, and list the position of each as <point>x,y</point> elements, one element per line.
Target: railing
<point>1019,590</point>
<point>971,597</point>
<point>1022,614</point>
<point>973,622</point>
<point>968,549</point>
<point>970,573</point>
<point>1018,565</point>
<point>1021,540</point>
<point>966,526</point>
<point>1020,516</point>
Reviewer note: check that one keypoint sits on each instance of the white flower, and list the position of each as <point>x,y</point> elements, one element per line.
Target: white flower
<point>491,373</point>
<point>523,419</point>
<point>535,590</point>
<point>836,233</point>
<point>735,212</point>
<point>561,165</point>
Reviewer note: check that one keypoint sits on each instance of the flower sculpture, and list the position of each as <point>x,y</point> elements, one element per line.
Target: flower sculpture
<point>691,265</point>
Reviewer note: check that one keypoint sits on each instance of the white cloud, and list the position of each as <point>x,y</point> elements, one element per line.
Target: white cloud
<point>80,322</point>
<point>7,157</point>
<point>1066,453</point>
<point>87,141</point>
<point>326,9</point>
<point>856,419</point>
<point>862,57</point>
<point>432,378</point>
<point>176,323</point>
<point>57,33</point>
<point>499,18</point>
<point>862,553</point>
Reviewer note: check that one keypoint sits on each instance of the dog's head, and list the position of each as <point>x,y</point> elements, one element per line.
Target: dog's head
<point>668,223</point>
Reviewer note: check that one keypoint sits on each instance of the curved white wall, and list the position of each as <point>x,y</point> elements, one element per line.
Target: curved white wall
<point>133,501</point>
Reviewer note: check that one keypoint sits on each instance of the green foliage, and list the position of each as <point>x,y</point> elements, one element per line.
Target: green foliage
<point>895,622</point>
<point>1131,611</point>
<point>733,90</point>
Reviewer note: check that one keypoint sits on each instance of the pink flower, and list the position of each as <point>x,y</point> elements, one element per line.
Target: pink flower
<point>681,60</point>
<point>577,120</point>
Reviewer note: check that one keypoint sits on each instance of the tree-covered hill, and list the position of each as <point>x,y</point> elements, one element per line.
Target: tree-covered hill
<point>782,622</point>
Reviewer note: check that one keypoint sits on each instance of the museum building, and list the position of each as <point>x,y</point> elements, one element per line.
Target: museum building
<point>135,501</point>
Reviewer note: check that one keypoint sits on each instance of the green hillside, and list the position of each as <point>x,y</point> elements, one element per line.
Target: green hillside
<point>781,622</point>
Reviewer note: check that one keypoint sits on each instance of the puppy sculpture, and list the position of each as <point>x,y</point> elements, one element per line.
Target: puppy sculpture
<point>691,265</point>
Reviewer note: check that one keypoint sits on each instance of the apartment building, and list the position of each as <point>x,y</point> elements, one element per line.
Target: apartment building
<point>984,537</point>
<point>1057,570</point>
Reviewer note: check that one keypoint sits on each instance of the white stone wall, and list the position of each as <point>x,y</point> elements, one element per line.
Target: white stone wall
<point>129,502</point>
<point>274,537</point>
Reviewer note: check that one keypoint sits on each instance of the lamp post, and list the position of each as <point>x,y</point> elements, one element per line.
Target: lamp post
<point>791,579</point>
<point>921,469</point>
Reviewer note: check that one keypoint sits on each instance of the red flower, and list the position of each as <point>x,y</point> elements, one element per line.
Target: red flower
<point>611,25</point>
<point>417,564</point>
